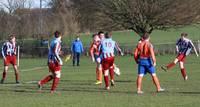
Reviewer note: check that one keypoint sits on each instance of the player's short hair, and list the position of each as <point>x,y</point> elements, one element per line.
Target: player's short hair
<point>11,36</point>
<point>94,35</point>
<point>100,32</point>
<point>184,34</point>
<point>57,34</point>
<point>145,36</point>
<point>108,34</point>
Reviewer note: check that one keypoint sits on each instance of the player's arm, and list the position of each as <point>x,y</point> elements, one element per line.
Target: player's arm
<point>118,49</point>
<point>92,51</point>
<point>195,50</point>
<point>177,45</point>
<point>57,52</point>
<point>136,55</point>
<point>2,51</point>
<point>152,55</point>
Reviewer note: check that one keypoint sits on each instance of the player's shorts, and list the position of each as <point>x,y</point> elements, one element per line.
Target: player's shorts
<point>146,66</point>
<point>54,66</point>
<point>10,60</point>
<point>107,63</point>
<point>98,58</point>
<point>181,57</point>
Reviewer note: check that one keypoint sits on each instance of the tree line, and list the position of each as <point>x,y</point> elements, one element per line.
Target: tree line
<point>75,16</point>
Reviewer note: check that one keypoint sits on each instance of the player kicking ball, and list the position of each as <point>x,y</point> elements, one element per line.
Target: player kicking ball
<point>183,48</point>
<point>145,58</point>
<point>54,63</point>
<point>107,48</point>
<point>9,55</point>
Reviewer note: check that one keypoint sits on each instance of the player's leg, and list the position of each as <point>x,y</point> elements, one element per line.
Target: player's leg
<point>155,79</point>
<point>98,74</point>
<point>183,71</point>
<point>6,64</point>
<point>112,75</point>
<point>16,74</point>
<point>56,79</point>
<point>78,59</point>
<point>141,72</point>
<point>4,74</point>
<point>46,79</point>
<point>172,64</point>
<point>74,58</point>
<point>105,65</point>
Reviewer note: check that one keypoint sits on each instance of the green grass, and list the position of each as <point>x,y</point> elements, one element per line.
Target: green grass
<point>78,90</point>
<point>157,36</point>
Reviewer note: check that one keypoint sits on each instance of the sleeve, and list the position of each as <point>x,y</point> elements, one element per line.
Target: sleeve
<point>178,42</point>
<point>118,48</point>
<point>56,52</point>
<point>72,47</point>
<point>3,50</point>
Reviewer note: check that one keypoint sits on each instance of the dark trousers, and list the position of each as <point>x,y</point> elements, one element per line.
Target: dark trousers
<point>76,58</point>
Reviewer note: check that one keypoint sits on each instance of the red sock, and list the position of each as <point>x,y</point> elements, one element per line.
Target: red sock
<point>4,75</point>
<point>46,79</point>
<point>183,72</point>
<point>17,76</point>
<point>171,65</point>
<point>106,79</point>
<point>112,74</point>
<point>55,83</point>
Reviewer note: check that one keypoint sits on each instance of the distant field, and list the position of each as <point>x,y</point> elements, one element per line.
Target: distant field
<point>78,90</point>
<point>157,36</point>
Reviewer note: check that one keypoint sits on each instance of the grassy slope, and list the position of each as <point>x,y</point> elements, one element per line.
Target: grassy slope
<point>77,88</point>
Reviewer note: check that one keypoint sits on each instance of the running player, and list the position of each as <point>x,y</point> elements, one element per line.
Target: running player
<point>95,55</point>
<point>107,48</point>
<point>145,58</point>
<point>9,55</point>
<point>54,63</point>
<point>183,48</point>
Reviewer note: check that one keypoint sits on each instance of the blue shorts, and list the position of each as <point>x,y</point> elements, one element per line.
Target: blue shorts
<point>146,66</point>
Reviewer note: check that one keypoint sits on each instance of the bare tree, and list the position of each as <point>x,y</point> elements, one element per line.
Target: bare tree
<point>146,15</point>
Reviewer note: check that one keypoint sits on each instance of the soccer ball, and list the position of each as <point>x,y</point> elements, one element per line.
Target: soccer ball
<point>117,71</point>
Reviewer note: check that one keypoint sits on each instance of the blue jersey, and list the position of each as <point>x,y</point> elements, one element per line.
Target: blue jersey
<point>53,55</point>
<point>8,49</point>
<point>107,47</point>
<point>77,46</point>
<point>184,46</point>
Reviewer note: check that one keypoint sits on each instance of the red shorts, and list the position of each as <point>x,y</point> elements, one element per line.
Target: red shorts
<point>54,67</point>
<point>107,63</point>
<point>10,60</point>
<point>181,57</point>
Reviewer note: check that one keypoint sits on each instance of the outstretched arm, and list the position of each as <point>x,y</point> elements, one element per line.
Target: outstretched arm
<point>195,50</point>
<point>118,49</point>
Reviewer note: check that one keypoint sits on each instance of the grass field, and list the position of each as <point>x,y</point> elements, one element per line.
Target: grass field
<point>78,90</point>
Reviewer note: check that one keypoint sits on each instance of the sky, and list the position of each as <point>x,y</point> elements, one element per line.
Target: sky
<point>36,3</point>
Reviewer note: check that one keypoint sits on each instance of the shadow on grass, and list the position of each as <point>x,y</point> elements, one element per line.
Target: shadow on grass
<point>189,93</point>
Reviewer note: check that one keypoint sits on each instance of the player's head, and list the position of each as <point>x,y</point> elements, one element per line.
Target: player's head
<point>95,37</point>
<point>77,38</point>
<point>145,36</point>
<point>108,35</point>
<point>12,38</point>
<point>57,34</point>
<point>184,35</point>
<point>101,35</point>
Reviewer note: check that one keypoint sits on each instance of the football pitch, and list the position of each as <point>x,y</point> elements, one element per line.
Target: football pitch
<point>77,88</point>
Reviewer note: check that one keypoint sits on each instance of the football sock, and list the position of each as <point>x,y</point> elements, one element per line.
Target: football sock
<point>106,79</point>
<point>170,65</point>
<point>183,72</point>
<point>46,79</point>
<point>4,75</point>
<point>17,77</point>
<point>112,74</point>
<point>55,83</point>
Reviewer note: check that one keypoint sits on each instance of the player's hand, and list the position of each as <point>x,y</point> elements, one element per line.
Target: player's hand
<point>122,54</point>
<point>154,64</point>
<point>93,60</point>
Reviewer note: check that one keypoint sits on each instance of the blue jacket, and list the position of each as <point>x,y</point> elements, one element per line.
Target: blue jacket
<point>77,46</point>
